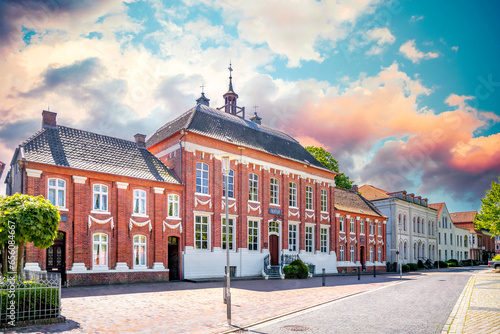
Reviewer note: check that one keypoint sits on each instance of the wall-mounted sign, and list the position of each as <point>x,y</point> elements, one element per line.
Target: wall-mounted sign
<point>362,239</point>
<point>63,218</point>
<point>274,211</point>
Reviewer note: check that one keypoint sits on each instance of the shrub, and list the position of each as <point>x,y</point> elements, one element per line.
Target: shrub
<point>453,261</point>
<point>496,258</point>
<point>296,269</point>
<point>441,264</point>
<point>420,264</point>
<point>475,262</point>
<point>405,268</point>
<point>413,266</point>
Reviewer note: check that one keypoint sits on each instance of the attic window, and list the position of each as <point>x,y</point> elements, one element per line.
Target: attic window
<point>228,138</point>
<point>307,161</point>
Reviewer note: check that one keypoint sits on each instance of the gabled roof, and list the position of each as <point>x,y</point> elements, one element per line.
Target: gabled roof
<point>437,206</point>
<point>372,193</point>
<point>351,201</point>
<point>68,147</point>
<point>219,125</point>
<point>463,217</point>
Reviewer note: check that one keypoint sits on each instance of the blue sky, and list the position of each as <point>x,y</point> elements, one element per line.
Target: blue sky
<point>404,94</point>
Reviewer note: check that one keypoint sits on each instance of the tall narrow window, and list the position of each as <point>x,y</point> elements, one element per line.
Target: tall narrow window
<point>324,200</point>
<point>309,198</point>
<point>380,229</point>
<point>342,257</point>
<point>253,187</point>
<point>140,251</point>
<point>201,232</point>
<point>353,254</point>
<point>293,194</point>
<point>275,191</point>
<point>379,254</point>
<point>309,238</point>
<point>362,227</point>
<point>451,239</point>
<point>231,234</point>
<point>202,178</point>
<point>292,237</point>
<point>352,228</point>
<point>57,192</point>
<point>139,202</point>
<point>371,254</point>
<point>173,206</point>
<point>324,240</point>
<point>230,184</point>
<point>341,227</point>
<point>253,235</point>
<point>371,228</point>
<point>100,197</point>
<point>100,253</point>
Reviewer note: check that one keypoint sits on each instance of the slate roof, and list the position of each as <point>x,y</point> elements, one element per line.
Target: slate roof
<point>68,147</point>
<point>372,193</point>
<point>348,200</point>
<point>217,124</point>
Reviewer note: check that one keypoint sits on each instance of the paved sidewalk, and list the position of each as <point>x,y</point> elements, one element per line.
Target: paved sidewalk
<point>478,308</point>
<point>182,307</point>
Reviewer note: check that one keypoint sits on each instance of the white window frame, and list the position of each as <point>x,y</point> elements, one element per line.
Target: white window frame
<point>57,188</point>
<point>100,197</point>
<point>202,178</point>
<point>140,198</point>
<point>253,187</point>
<point>352,227</point>
<point>140,243</point>
<point>342,225</point>
<point>324,201</point>
<point>379,254</point>
<point>293,237</point>
<point>371,254</point>
<point>362,227</point>
<point>274,191</point>
<point>173,205</point>
<point>352,254</point>
<point>232,234</point>
<point>324,239</point>
<point>292,194</point>
<point>199,241</point>
<point>103,255</point>
<point>379,227</point>
<point>341,253</point>
<point>230,184</point>
<point>309,198</point>
<point>253,240</point>
<point>309,238</point>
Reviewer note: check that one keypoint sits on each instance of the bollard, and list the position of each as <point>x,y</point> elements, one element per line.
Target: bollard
<point>324,277</point>
<point>374,271</point>
<point>359,273</point>
<point>224,289</point>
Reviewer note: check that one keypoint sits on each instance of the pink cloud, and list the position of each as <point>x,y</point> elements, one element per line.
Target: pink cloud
<point>410,51</point>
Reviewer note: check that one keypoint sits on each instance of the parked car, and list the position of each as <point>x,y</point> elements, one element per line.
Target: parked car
<point>494,264</point>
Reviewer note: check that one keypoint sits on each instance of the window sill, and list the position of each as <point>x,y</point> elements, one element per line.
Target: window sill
<point>325,212</point>
<point>139,215</point>
<point>310,210</point>
<point>278,205</point>
<point>253,202</point>
<point>140,268</point>
<point>201,194</point>
<point>63,209</point>
<point>174,218</point>
<point>229,198</point>
<point>293,207</point>
<point>100,212</point>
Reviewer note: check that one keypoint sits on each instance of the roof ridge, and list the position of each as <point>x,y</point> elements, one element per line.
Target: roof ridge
<point>97,134</point>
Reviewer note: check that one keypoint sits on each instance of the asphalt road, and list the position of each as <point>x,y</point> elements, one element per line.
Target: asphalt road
<point>418,305</point>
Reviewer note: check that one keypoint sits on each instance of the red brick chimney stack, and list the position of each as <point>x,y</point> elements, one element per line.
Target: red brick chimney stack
<point>49,119</point>
<point>355,188</point>
<point>140,140</point>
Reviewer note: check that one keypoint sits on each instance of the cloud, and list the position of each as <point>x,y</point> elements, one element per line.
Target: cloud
<point>416,18</point>
<point>381,36</point>
<point>454,48</point>
<point>410,51</point>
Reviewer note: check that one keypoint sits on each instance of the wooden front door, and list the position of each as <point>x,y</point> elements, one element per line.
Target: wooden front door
<point>274,249</point>
<point>173,258</point>
<point>56,255</point>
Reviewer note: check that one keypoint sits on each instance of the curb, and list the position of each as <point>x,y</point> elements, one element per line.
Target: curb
<point>456,320</point>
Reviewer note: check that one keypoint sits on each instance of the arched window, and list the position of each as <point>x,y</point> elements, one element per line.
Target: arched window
<point>140,251</point>
<point>414,251</point>
<point>414,224</point>
<point>405,251</point>
<point>400,221</point>
<point>57,192</point>
<point>100,197</point>
<point>418,225</point>
<point>100,250</point>
<point>405,228</point>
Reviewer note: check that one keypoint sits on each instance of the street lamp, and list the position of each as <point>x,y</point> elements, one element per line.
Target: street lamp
<point>399,253</point>
<point>225,171</point>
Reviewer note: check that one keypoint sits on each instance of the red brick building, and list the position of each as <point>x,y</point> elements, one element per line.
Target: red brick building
<point>481,241</point>
<point>136,214</point>
<point>362,232</point>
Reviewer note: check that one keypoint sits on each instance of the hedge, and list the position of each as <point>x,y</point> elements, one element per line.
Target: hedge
<point>296,269</point>
<point>405,268</point>
<point>413,266</point>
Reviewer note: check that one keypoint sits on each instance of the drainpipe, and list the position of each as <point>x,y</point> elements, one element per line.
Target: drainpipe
<point>183,236</point>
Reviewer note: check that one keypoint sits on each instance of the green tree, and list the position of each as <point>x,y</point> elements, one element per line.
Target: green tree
<point>27,219</point>
<point>489,215</point>
<point>323,156</point>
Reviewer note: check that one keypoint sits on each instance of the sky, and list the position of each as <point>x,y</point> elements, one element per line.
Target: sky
<point>404,94</point>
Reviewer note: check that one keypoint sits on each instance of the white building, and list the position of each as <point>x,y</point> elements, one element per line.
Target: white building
<point>411,226</point>
<point>452,240</point>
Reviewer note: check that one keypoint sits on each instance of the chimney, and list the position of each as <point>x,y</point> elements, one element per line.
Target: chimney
<point>355,188</point>
<point>140,140</point>
<point>49,119</point>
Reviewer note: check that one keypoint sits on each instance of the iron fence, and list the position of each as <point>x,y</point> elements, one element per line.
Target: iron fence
<point>29,296</point>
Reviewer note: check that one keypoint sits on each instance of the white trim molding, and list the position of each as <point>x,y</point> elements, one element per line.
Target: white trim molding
<point>121,185</point>
<point>79,179</point>
<point>158,190</point>
<point>33,172</point>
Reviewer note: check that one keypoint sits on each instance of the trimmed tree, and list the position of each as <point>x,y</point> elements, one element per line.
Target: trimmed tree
<point>32,219</point>
<point>489,215</point>
<point>325,157</point>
